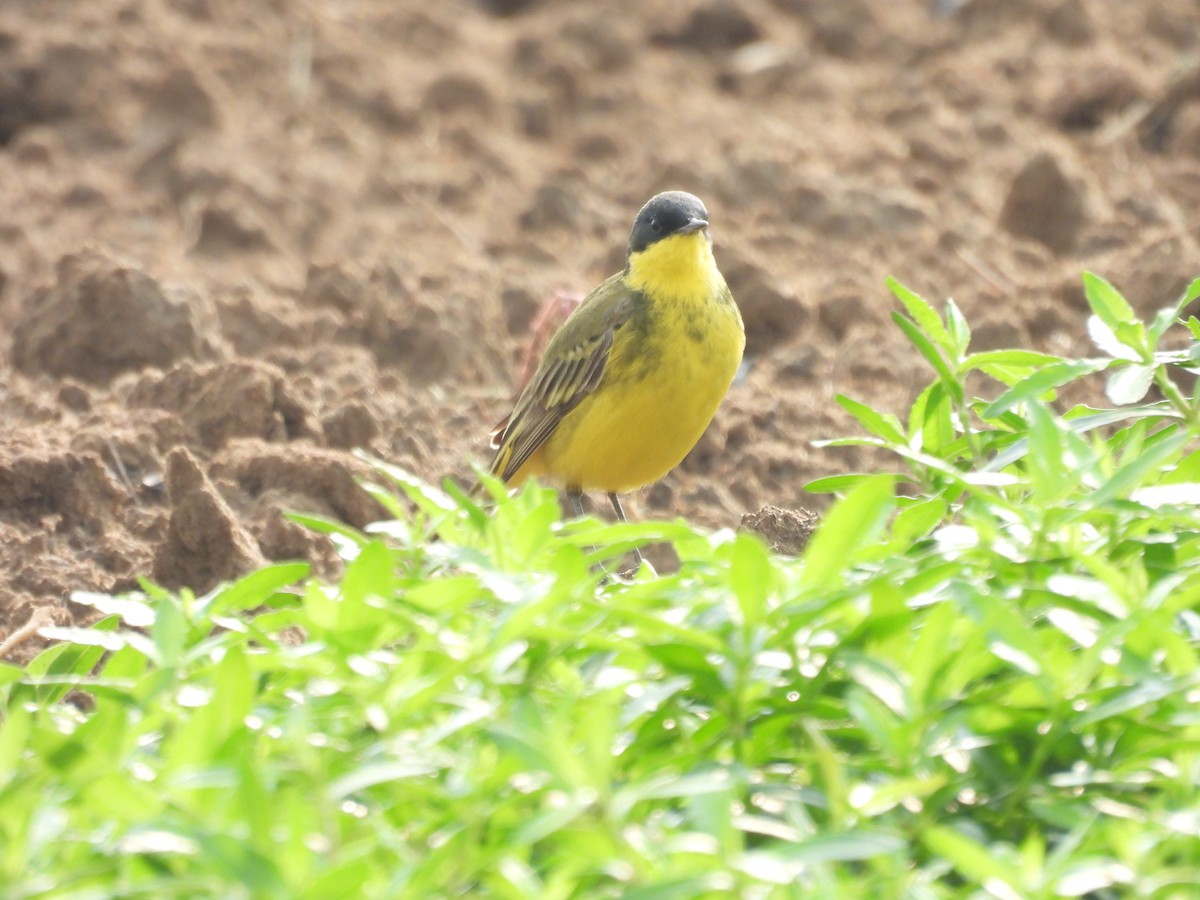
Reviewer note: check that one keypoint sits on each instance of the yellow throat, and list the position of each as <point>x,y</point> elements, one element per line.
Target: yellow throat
<point>681,265</point>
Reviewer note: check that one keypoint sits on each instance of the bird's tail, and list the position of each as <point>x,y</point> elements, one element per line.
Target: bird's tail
<point>495,442</point>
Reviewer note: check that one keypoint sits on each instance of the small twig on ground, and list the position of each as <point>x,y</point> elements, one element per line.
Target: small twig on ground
<point>1149,118</point>
<point>42,616</point>
<point>996,279</point>
<point>121,471</point>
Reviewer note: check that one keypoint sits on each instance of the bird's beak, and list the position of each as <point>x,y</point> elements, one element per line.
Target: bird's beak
<point>693,225</point>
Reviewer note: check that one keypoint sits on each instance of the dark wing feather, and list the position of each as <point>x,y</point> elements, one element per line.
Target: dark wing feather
<point>571,369</point>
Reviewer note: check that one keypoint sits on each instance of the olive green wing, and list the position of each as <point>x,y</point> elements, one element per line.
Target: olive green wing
<point>572,367</point>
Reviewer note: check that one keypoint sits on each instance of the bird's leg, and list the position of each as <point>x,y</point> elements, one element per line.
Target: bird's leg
<point>616,505</point>
<point>575,498</point>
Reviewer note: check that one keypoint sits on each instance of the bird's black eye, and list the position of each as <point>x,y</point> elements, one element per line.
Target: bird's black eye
<point>655,226</point>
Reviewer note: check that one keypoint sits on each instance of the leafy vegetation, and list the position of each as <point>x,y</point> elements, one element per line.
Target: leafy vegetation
<point>980,680</point>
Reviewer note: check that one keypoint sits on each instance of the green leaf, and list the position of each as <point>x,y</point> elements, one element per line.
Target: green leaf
<point>1106,301</point>
<point>1122,344</point>
<point>445,596</point>
<point>856,521</point>
<point>1133,335</point>
<point>850,442</point>
<point>241,864</point>
<point>532,532</point>
<point>694,784</point>
<point>320,605</point>
<point>1091,878</point>
<point>917,520</point>
<point>57,669</point>
<point>970,858</point>
<point>930,648</point>
<point>85,637</point>
<point>432,501</point>
<point>9,674</point>
<point>840,483</point>
<point>924,315</point>
<point>1047,449</point>
<point>1162,321</point>
<point>876,799</point>
<point>689,660</point>
<point>1172,313</point>
<point>882,425</point>
<point>930,352</point>
<point>16,726</point>
<point>751,577</point>
<point>1082,425</point>
<point>846,846</point>
<point>133,609</point>
<point>325,525</point>
<point>1041,382</point>
<point>377,773</point>
<point>1140,696</point>
<point>553,820</point>
<point>675,889</point>
<point>1129,384</point>
<point>960,332</point>
<point>1186,471</point>
<point>1009,366</point>
<point>169,631</point>
<point>233,694</point>
<point>936,419</point>
<point>1010,637</point>
<point>476,513</point>
<point>1137,471</point>
<point>1012,359</point>
<point>370,576</point>
<point>255,589</point>
<point>878,722</point>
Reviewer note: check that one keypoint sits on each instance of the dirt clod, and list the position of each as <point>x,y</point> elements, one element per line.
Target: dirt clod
<point>225,229</point>
<point>65,491</point>
<point>228,400</point>
<point>205,543</point>
<point>102,317</point>
<point>1045,204</point>
<point>1070,23</point>
<point>785,531</point>
<point>303,480</point>
<point>351,426</point>
<point>554,205</point>
<point>716,25</point>
<point>770,316</point>
<point>1092,95</point>
<point>459,93</point>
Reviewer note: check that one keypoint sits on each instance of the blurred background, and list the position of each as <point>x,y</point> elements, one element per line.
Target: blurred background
<point>257,236</point>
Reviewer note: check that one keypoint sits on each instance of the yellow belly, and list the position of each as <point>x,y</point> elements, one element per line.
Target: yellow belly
<point>633,430</point>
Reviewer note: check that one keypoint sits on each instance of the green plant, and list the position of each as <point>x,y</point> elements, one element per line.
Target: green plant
<point>984,684</point>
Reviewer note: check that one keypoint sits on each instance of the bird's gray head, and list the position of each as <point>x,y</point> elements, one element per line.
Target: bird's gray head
<point>667,214</point>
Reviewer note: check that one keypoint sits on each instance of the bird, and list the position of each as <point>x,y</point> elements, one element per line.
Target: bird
<point>633,377</point>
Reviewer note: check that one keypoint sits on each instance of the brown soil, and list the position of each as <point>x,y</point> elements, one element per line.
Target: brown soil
<point>239,240</point>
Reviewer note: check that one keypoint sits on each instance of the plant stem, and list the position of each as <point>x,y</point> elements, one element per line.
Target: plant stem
<point>1171,391</point>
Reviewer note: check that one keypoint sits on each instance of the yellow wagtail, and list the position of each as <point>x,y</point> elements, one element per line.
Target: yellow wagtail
<point>633,377</point>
